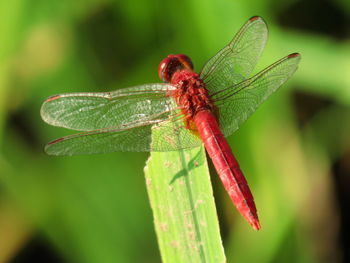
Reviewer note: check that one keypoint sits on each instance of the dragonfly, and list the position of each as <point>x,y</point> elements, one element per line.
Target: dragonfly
<point>186,110</point>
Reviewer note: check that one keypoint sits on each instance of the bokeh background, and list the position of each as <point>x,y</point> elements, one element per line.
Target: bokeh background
<point>295,150</point>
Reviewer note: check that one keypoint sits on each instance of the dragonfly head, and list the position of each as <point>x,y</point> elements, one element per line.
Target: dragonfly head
<point>173,63</point>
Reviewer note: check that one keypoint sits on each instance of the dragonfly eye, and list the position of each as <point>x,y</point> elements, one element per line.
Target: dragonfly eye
<point>171,64</point>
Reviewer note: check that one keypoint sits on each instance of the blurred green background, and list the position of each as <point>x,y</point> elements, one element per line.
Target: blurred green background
<point>295,150</point>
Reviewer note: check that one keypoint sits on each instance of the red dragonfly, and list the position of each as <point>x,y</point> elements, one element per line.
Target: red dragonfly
<point>187,110</point>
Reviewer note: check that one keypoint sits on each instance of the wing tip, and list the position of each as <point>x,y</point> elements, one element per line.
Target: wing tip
<point>55,141</point>
<point>293,55</point>
<point>54,97</point>
<point>254,18</point>
<point>51,150</point>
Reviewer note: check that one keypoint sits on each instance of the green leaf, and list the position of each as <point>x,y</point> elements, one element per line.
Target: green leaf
<point>181,197</point>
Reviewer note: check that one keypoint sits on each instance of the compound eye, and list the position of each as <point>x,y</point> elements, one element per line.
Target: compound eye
<point>185,61</point>
<point>171,64</point>
<point>164,69</point>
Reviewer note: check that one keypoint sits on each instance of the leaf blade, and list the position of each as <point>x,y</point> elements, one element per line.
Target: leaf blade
<point>181,197</point>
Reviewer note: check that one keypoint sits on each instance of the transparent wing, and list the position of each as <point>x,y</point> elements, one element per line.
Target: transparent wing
<point>236,61</point>
<point>157,135</point>
<point>237,103</point>
<point>91,111</point>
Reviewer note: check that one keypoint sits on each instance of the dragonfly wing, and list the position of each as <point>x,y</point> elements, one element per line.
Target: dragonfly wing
<point>157,135</point>
<point>91,111</point>
<point>237,103</point>
<point>236,61</point>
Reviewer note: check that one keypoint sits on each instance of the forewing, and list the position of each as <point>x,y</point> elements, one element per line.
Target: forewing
<point>237,103</point>
<point>236,61</point>
<point>157,135</point>
<point>90,111</point>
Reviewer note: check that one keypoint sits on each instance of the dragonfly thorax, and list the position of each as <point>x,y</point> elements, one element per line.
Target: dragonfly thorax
<point>190,94</point>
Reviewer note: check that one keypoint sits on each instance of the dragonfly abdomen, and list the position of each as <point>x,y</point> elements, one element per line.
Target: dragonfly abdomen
<point>226,166</point>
